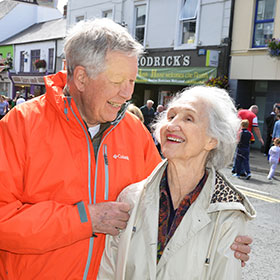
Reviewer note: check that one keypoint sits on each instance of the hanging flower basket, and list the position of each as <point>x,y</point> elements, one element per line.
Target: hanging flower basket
<point>220,82</point>
<point>40,63</point>
<point>273,46</point>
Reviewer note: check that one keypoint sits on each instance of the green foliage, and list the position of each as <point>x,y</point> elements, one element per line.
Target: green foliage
<point>274,47</point>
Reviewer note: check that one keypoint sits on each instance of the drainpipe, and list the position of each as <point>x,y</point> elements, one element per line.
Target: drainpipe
<point>230,35</point>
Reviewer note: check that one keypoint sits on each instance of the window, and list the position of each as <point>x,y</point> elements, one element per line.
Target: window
<point>140,21</point>
<point>264,22</point>
<point>188,17</point>
<point>21,61</point>
<point>51,57</point>
<point>107,14</point>
<point>80,18</point>
<point>35,54</point>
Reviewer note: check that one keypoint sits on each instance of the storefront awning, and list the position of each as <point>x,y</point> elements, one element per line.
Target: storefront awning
<point>176,76</point>
<point>28,80</point>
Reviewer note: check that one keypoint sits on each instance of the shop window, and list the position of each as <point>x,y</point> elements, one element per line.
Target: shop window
<point>51,59</point>
<point>188,18</point>
<point>107,14</point>
<point>264,23</point>
<point>140,21</point>
<point>35,54</point>
<point>21,61</point>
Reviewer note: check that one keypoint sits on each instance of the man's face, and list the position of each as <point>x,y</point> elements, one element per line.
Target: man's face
<point>108,91</point>
<point>149,105</point>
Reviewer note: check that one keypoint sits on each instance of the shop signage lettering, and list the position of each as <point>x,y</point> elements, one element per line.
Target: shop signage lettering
<point>164,61</point>
<point>176,76</point>
<point>28,80</point>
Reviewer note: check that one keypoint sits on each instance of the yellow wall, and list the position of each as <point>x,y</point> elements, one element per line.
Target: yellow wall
<point>246,62</point>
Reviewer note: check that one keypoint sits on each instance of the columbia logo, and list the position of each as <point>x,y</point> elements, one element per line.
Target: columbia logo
<point>116,156</point>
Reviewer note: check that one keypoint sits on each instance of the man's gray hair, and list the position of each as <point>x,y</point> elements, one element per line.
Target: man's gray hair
<point>88,42</point>
<point>223,122</point>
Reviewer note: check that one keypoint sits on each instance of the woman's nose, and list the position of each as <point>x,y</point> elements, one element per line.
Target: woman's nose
<point>173,125</point>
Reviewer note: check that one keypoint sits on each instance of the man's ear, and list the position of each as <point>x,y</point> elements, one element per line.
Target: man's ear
<point>80,78</point>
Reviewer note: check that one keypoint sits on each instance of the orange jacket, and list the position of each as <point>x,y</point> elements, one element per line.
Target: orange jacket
<point>48,176</point>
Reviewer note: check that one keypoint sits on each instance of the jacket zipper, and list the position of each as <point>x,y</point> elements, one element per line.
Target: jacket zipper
<point>91,241</point>
<point>115,123</point>
<point>106,166</point>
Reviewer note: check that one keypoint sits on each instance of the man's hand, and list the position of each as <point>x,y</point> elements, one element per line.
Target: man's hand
<point>241,248</point>
<point>109,217</point>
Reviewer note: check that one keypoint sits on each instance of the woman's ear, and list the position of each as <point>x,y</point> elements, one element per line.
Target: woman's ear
<point>212,144</point>
<point>80,78</point>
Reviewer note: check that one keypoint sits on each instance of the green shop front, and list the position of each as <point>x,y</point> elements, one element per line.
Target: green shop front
<point>162,73</point>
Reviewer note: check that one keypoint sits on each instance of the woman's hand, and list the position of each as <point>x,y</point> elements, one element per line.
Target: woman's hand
<point>241,248</point>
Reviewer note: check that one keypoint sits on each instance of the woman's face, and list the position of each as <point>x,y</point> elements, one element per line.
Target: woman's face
<point>184,135</point>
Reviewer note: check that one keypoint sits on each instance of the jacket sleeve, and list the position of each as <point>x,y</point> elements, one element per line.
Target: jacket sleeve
<point>223,264</point>
<point>30,228</point>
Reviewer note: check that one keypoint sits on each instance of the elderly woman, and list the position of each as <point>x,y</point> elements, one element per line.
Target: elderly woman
<point>186,214</point>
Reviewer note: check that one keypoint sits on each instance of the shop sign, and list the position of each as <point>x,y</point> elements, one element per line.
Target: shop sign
<point>164,61</point>
<point>176,76</point>
<point>28,80</point>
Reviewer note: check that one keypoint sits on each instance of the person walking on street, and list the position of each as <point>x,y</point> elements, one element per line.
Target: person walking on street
<point>148,112</point>
<point>270,120</point>
<point>274,157</point>
<point>66,155</point>
<point>241,161</point>
<point>251,115</point>
<point>276,128</point>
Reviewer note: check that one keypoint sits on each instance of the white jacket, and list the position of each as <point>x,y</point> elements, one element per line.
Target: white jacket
<point>200,246</point>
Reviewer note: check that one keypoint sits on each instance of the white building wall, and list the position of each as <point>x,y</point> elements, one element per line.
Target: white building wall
<point>162,19</point>
<point>23,16</point>
<point>43,46</point>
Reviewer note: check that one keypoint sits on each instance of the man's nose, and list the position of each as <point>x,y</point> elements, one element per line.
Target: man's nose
<point>126,90</point>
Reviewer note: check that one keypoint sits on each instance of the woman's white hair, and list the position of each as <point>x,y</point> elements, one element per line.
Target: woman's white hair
<point>88,42</point>
<point>223,121</point>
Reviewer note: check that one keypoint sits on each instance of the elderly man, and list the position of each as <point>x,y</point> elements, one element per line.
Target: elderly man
<point>66,157</point>
<point>148,113</point>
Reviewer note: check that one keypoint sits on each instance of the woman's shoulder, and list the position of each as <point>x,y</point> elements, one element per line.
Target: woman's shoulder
<point>226,196</point>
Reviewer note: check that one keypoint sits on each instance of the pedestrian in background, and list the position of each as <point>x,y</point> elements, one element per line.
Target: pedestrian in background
<point>241,161</point>
<point>148,113</point>
<point>274,157</point>
<point>276,128</point>
<point>4,105</point>
<point>136,111</point>
<point>251,115</point>
<point>270,121</point>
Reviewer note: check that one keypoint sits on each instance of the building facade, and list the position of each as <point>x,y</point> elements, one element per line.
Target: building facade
<point>186,41</point>
<point>254,73</point>
<point>15,17</point>
<point>38,51</point>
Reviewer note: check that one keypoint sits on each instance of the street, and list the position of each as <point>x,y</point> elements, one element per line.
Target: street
<point>264,260</point>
